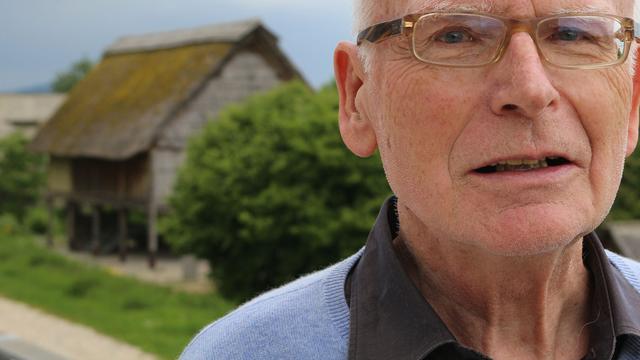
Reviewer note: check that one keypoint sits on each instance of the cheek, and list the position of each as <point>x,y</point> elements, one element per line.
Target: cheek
<point>418,127</point>
<point>603,102</point>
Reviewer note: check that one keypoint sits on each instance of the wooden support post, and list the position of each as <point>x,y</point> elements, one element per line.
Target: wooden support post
<point>152,216</point>
<point>95,229</point>
<point>71,225</point>
<point>50,222</point>
<point>152,212</point>
<point>122,233</point>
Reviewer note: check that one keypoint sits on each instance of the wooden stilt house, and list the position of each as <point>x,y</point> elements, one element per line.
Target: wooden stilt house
<point>118,140</point>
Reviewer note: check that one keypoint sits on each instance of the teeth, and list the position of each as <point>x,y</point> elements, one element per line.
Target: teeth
<point>520,162</point>
<point>520,165</point>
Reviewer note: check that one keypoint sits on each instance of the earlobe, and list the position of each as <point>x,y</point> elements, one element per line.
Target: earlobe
<point>358,135</point>
<point>355,127</point>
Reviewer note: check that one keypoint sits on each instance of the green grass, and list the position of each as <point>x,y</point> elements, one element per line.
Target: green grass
<point>154,318</point>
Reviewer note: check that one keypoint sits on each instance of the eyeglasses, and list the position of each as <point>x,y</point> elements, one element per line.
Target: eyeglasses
<point>460,39</point>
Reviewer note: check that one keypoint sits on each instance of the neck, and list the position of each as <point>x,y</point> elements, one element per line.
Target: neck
<point>504,306</point>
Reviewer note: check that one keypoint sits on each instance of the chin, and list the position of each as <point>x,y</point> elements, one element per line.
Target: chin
<point>535,231</point>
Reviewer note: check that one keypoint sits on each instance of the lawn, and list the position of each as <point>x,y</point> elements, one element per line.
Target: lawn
<point>156,319</point>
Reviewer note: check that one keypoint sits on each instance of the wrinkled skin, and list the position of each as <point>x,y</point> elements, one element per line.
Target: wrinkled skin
<point>434,125</point>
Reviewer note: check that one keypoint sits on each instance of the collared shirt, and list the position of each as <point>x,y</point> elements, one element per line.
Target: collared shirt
<point>391,320</point>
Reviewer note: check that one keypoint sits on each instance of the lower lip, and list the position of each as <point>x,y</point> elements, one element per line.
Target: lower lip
<point>538,177</point>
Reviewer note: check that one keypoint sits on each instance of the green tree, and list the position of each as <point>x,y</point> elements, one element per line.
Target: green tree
<point>22,175</point>
<point>269,192</point>
<point>67,79</point>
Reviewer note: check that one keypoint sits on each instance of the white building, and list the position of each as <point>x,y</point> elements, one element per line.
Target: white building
<point>27,112</point>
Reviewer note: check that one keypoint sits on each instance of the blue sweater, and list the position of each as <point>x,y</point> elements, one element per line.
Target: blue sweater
<point>309,319</point>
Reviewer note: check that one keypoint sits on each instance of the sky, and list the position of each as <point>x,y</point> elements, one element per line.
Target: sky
<point>39,38</point>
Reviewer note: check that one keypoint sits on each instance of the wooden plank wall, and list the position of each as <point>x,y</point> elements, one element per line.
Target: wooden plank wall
<point>246,74</point>
<point>117,180</point>
<point>59,176</point>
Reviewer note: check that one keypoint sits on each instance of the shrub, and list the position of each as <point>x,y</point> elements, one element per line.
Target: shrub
<point>269,192</point>
<point>22,176</point>
<point>37,220</point>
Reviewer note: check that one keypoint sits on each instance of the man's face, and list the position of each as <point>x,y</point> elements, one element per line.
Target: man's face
<point>439,130</point>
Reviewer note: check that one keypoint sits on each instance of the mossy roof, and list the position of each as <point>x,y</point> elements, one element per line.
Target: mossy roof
<point>118,109</point>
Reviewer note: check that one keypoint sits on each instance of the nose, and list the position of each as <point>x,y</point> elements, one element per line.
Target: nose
<point>521,83</point>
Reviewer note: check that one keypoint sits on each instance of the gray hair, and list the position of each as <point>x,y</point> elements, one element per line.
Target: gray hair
<point>364,13</point>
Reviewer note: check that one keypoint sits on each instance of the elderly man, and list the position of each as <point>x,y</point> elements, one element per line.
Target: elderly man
<point>503,126</point>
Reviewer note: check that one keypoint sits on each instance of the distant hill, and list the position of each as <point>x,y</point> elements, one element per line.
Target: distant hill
<point>33,89</point>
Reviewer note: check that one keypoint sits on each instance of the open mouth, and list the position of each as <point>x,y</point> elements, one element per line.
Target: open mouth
<point>522,165</point>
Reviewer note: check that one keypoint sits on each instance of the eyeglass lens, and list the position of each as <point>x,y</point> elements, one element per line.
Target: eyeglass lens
<point>471,39</point>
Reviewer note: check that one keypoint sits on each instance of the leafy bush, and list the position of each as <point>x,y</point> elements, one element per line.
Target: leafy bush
<point>66,80</point>
<point>37,220</point>
<point>269,192</point>
<point>22,176</point>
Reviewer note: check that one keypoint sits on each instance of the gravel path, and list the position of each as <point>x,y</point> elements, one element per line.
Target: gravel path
<point>62,337</point>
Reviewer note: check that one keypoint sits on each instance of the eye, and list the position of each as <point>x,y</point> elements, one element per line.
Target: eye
<point>454,36</point>
<point>569,34</point>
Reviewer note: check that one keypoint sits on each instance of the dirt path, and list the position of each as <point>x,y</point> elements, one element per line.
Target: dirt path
<point>62,337</point>
<point>168,271</point>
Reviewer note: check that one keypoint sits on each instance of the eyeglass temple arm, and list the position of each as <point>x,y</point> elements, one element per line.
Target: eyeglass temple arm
<point>381,31</point>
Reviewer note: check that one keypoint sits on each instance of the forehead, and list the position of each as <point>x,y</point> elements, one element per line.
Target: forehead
<point>388,9</point>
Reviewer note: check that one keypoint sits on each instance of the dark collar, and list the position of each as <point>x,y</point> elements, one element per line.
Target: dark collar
<point>391,320</point>
<point>389,317</point>
<point>622,296</point>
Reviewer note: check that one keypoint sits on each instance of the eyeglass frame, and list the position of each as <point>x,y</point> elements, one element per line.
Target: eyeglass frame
<point>405,25</point>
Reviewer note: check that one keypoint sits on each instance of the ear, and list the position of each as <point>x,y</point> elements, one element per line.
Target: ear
<point>355,127</point>
<point>632,132</point>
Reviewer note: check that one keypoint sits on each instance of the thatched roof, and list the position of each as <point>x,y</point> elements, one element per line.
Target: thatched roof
<point>226,33</point>
<point>119,108</point>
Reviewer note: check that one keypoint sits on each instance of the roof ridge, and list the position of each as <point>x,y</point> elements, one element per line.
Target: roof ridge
<point>220,32</point>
